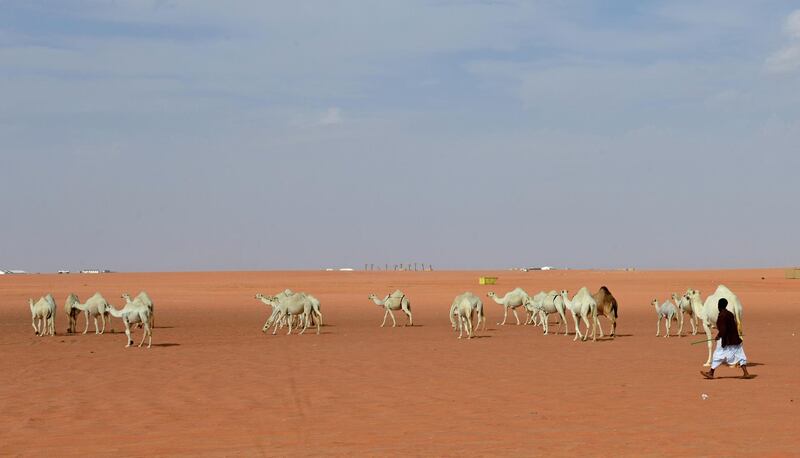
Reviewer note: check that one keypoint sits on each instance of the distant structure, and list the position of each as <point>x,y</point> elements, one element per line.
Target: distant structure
<point>95,271</point>
<point>527,269</point>
<point>63,271</point>
<point>406,267</point>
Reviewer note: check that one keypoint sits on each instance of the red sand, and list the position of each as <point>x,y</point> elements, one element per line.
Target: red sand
<point>213,384</point>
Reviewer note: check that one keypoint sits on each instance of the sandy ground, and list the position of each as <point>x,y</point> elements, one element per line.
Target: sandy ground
<point>214,385</point>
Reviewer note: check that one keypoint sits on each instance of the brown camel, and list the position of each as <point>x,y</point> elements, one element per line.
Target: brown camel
<point>606,306</point>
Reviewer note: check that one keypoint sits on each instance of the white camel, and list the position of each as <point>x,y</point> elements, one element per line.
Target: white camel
<point>708,312</point>
<point>283,319</point>
<point>685,308</point>
<point>533,308</point>
<point>456,318</point>
<point>511,300</point>
<point>463,308</point>
<point>43,311</point>
<point>144,298</point>
<point>582,304</point>
<point>96,306</point>
<point>667,311</point>
<point>546,304</point>
<point>287,304</point>
<point>394,301</point>
<point>134,312</point>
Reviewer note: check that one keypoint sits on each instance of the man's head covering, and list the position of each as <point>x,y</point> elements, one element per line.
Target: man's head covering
<point>722,304</point>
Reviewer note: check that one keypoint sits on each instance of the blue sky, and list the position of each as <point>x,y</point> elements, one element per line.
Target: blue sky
<point>194,135</point>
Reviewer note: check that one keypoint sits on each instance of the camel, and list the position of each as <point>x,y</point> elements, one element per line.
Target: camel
<point>95,306</point>
<point>477,306</point>
<point>394,301</point>
<point>582,304</point>
<point>145,299</point>
<point>72,313</point>
<point>685,308</point>
<point>668,311</point>
<point>547,303</point>
<point>43,311</point>
<point>532,308</point>
<point>463,307</point>
<point>287,304</point>
<point>607,307</point>
<point>708,312</point>
<point>135,312</point>
<point>511,300</point>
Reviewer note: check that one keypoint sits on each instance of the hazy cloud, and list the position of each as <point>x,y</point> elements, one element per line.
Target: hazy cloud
<point>787,59</point>
<point>331,116</point>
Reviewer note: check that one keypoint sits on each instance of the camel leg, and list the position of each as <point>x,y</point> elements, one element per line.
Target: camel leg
<point>680,328</point>
<point>319,320</point>
<point>277,322</point>
<point>408,314</point>
<point>692,321</point>
<point>86,329</point>
<point>469,326</point>
<point>707,328</point>
<point>545,324</point>
<point>658,326</point>
<point>505,315</point>
<point>515,315</point>
<point>577,329</point>
<point>289,320</point>
<point>563,320</point>
<point>149,334</point>
<point>96,327</point>
<point>103,317</point>
<point>460,325</point>
<point>394,322</point>
<point>385,315</point>
<point>586,320</point>
<point>305,319</point>
<point>128,333</point>
<point>146,329</point>
<point>599,325</point>
<point>668,325</point>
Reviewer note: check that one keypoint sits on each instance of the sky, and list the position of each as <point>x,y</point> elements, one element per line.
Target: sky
<point>164,135</point>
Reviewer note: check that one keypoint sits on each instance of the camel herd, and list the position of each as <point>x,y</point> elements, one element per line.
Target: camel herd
<point>583,306</point>
<point>301,310</point>
<point>691,304</point>
<point>137,311</point>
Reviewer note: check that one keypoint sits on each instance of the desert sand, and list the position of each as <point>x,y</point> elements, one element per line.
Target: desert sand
<point>214,385</point>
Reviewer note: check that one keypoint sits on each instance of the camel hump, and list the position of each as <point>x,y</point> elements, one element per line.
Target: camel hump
<point>397,293</point>
<point>605,289</point>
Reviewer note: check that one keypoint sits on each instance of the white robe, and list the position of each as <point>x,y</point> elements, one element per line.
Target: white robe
<point>731,355</point>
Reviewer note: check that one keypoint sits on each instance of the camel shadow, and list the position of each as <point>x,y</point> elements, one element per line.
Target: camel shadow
<point>749,364</point>
<point>167,345</point>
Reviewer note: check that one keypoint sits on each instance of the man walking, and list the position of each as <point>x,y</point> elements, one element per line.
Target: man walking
<point>729,344</point>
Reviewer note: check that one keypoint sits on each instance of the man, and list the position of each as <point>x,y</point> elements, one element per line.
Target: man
<point>729,344</point>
